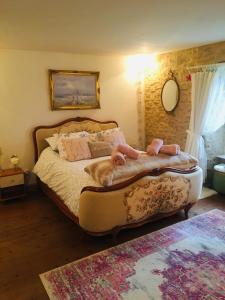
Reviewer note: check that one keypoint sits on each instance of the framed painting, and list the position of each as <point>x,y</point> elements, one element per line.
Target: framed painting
<point>74,89</point>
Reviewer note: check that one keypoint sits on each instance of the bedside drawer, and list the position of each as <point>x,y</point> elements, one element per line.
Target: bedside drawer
<point>8,181</point>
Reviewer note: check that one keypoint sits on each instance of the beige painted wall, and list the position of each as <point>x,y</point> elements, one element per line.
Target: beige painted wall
<point>24,97</point>
<point>172,126</point>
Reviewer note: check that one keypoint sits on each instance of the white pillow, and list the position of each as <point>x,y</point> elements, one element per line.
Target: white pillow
<point>52,141</point>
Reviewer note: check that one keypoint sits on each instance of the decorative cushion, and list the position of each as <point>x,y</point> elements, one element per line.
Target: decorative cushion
<point>114,136</point>
<point>93,137</point>
<point>99,149</point>
<point>54,140</point>
<point>74,148</point>
<point>109,131</point>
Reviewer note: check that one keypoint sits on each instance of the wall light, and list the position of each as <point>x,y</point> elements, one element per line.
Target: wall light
<point>141,65</point>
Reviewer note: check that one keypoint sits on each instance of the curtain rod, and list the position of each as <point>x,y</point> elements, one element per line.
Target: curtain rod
<point>207,66</point>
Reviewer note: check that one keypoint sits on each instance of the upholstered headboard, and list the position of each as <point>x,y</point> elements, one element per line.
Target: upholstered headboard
<point>69,125</point>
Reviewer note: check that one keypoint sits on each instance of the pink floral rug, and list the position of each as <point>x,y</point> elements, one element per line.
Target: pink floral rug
<point>185,261</point>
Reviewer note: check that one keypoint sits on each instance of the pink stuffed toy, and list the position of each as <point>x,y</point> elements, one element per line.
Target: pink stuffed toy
<point>173,149</point>
<point>128,151</point>
<point>154,147</point>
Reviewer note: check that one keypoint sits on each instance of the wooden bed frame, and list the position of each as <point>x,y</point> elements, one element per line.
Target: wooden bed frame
<point>114,231</point>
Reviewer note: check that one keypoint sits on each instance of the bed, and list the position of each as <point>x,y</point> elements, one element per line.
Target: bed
<point>100,210</point>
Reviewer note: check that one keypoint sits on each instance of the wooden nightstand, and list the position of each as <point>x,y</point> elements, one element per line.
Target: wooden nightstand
<point>12,184</point>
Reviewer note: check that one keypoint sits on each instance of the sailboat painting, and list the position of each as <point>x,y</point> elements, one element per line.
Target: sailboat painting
<point>74,89</point>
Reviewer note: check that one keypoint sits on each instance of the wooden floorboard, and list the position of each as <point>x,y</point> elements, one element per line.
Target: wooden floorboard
<point>36,237</point>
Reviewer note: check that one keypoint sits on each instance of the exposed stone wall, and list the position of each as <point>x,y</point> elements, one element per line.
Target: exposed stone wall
<point>172,126</point>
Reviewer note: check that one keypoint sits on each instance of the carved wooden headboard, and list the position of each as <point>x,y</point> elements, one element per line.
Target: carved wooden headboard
<point>40,133</point>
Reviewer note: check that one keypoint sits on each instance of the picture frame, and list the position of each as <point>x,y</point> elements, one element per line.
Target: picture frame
<point>74,90</point>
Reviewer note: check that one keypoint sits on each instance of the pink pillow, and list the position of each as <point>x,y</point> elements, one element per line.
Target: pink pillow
<point>73,149</point>
<point>115,138</point>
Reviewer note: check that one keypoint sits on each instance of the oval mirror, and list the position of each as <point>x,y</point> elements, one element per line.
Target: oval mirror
<point>170,95</point>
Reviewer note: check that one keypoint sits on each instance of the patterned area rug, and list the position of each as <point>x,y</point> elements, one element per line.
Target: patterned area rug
<point>181,262</point>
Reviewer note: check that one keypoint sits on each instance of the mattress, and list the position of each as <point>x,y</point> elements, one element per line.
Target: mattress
<point>65,178</point>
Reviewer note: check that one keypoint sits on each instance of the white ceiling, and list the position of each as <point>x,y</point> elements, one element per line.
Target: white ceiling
<point>110,26</point>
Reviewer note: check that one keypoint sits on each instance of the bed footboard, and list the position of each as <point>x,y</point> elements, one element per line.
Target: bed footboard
<point>146,196</point>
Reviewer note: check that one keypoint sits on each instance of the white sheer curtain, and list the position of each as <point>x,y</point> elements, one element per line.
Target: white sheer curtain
<point>208,110</point>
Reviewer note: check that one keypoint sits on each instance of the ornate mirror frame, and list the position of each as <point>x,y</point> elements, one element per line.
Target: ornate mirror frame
<point>173,78</point>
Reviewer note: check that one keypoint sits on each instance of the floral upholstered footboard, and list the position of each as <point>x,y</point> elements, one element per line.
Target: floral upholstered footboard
<point>157,195</point>
<point>146,196</point>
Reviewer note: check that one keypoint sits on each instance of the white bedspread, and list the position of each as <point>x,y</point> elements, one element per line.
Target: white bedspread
<point>65,178</point>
